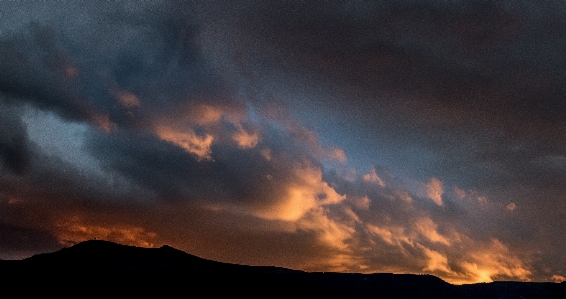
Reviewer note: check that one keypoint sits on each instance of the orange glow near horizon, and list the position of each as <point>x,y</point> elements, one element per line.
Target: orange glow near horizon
<point>75,230</point>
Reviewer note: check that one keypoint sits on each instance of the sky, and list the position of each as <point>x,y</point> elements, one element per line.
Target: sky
<point>353,136</point>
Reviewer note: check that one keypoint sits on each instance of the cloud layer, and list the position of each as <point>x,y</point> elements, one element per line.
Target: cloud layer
<point>406,137</point>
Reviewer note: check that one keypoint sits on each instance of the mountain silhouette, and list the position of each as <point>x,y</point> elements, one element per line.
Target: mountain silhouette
<point>103,268</point>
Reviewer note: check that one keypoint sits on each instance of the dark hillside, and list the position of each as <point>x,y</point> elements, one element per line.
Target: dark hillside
<point>104,268</point>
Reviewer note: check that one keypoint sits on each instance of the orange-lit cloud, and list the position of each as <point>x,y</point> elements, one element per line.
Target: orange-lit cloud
<point>372,177</point>
<point>436,262</point>
<point>361,202</point>
<point>331,233</point>
<point>494,261</point>
<point>307,192</point>
<point>103,122</point>
<point>244,139</point>
<point>392,235</point>
<point>404,196</point>
<point>434,190</point>
<point>180,129</point>
<point>188,140</point>
<point>336,154</point>
<point>127,100</point>
<point>203,114</point>
<point>511,207</point>
<point>266,153</point>
<point>558,278</point>
<point>428,229</point>
<point>459,192</point>
<point>469,194</point>
<point>453,256</point>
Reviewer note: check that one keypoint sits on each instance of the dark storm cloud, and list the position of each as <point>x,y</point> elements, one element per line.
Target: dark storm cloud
<point>82,69</point>
<point>14,153</point>
<point>48,179</point>
<point>424,73</point>
<point>39,76</point>
<point>453,54</point>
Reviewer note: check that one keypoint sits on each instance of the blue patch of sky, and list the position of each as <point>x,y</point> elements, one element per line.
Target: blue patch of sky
<point>60,138</point>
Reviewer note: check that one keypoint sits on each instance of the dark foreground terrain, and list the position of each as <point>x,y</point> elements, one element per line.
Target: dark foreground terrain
<point>103,268</point>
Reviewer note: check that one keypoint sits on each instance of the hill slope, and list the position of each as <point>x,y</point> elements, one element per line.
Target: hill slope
<point>106,268</point>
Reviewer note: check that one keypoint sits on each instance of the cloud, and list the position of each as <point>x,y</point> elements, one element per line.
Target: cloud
<point>436,262</point>
<point>393,236</point>
<point>40,77</point>
<point>558,278</point>
<point>305,193</point>
<point>434,190</point>
<point>459,192</point>
<point>127,99</point>
<point>429,229</point>
<point>188,140</point>
<point>245,139</point>
<point>331,233</point>
<point>495,262</point>
<point>372,177</point>
<point>14,151</point>
<point>416,235</point>
<point>473,261</point>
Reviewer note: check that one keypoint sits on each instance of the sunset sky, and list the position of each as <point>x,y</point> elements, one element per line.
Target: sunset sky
<point>357,136</point>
